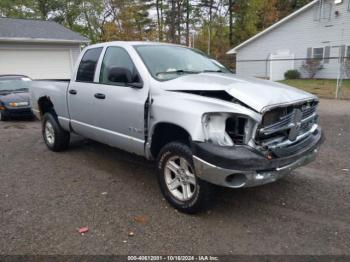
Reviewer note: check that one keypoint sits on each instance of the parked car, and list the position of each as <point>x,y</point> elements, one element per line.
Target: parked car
<point>202,124</point>
<point>14,97</point>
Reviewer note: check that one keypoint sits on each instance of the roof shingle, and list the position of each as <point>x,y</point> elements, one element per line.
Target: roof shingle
<point>37,29</point>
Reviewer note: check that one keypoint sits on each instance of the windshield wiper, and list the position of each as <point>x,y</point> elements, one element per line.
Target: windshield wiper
<point>180,71</point>
<point>21,89</point>
<point>212,71</point>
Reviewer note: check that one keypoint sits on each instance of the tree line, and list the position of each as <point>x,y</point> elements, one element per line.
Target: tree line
<point>213,26</point>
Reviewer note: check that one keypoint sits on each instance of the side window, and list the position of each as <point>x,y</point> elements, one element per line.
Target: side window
<point>87,67</point>
<point>117,68</point>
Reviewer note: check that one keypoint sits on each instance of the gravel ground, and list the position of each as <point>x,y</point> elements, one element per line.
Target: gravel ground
<point>45,197</point>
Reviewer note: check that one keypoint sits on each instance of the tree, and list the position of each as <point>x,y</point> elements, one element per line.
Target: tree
<point>246,19</point>
<point>12,8</point>
<point>187,21</point>
<point>129,21</point>
<point>44,7</point>
<point>312,66</point>
<point>230,13</point>
<point>286,7</point>
<point>268,14</point>
<point>160,19</point>
<point>210,7</point>
<point>219,24</point>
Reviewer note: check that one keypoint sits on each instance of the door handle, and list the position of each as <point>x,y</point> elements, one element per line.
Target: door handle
<point>73,92</point>
<point>100,96</point>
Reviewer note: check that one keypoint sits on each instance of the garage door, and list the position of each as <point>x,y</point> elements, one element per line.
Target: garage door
<point>37,64</point>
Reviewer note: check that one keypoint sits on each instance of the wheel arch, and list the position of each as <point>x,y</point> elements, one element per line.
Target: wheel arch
<point>45,105</point>
<point>166,132</point>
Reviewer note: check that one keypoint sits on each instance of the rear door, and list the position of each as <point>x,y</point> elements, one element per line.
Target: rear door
<point>81,93</point>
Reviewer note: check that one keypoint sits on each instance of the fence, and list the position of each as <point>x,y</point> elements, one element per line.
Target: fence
<point>334,72</point>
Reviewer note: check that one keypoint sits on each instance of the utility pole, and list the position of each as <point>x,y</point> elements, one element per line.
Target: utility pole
<point>193,36</point>
<point>209,39</point>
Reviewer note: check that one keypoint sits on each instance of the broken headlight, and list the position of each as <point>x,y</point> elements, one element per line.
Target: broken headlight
<point>224,129</point>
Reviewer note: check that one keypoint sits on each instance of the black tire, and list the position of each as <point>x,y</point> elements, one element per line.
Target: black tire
<point>61,137</point>
<point>200,198</point>
<point>3,117</point>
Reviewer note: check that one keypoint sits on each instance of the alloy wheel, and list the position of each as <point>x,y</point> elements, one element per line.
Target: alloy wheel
<point>179,178</point>
<point>49,133</point>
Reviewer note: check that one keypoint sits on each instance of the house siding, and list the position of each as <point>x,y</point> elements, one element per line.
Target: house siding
<point>297,35</point>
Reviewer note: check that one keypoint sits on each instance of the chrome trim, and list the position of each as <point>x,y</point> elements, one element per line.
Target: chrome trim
<point>300,137</point>
<point>297,125</point>
<point>298,102</point>
<point>284,124</point>
<point>109,131</point>
<point>63,118</point>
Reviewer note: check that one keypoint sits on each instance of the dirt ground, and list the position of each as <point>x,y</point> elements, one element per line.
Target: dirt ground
<point>45,197</point>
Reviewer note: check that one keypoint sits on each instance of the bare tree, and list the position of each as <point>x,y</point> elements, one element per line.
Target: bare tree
<point>312,66</point>
<point>188,10</point>
<point>230,12</point>
<point>159,8</point>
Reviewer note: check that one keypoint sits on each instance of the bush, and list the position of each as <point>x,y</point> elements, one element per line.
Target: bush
<point>292,74</point>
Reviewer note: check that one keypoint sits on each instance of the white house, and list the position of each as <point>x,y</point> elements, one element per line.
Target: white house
<point>38,49</point>
<point>321,29</point>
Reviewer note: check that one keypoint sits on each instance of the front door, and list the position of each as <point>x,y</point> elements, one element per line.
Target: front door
<point>119,108</point>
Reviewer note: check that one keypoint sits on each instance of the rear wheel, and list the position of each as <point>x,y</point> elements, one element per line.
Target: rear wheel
<point>178,181</point>
<point>56,139</point>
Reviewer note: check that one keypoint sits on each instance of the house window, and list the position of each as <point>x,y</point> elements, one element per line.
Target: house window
<point>327,11</point>
<point>318,53</point>
<point>347,54</point>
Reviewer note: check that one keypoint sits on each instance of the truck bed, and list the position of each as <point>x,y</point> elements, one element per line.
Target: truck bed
<point>55,90</point>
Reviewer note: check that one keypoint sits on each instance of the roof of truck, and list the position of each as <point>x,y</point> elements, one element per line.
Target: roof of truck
<point>132,43</point>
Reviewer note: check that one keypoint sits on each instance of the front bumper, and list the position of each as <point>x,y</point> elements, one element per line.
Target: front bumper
<point>17,112</point>
<point>243,166</point>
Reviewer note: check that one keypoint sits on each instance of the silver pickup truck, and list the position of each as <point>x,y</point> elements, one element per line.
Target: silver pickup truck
<point>201,123</point>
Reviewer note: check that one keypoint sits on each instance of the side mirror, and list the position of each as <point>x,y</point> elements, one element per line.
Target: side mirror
<point>122,75</point>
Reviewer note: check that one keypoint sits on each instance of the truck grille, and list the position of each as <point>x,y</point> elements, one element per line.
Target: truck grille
<point>286,124</point>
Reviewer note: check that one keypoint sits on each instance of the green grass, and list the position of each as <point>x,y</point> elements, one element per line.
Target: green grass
<point>324,88</point>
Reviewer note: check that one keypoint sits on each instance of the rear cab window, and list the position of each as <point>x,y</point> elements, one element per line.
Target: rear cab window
<point>87,66</point>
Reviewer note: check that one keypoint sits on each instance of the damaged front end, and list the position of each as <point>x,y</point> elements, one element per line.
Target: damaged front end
<point>285,130</point>
<point>240,152</point>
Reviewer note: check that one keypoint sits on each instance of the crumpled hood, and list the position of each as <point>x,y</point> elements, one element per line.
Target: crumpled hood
<point>14,97</point>
<point>256,93</point>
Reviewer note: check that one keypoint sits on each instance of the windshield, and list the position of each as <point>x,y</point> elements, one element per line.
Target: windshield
<point>166,62</point>
<point>14,84</point>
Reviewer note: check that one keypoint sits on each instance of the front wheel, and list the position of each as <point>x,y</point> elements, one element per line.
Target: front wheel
<point>178,181</point>
<point>55,137</point>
